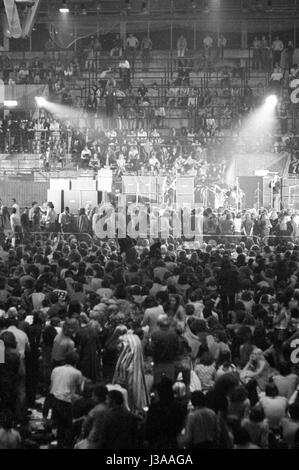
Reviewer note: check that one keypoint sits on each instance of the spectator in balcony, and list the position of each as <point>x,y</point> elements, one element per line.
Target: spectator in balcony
<point>23,74</point>
<point>289,55</point>
<point>85,156</point>
<point>142,90</point>
<point>173,94</point>
<point>12,79</point>
<point>58,68</point>
<point>146,47</point>
<point>89,63</point>
<point>208,45</point>
<point>91,102</point>
<point>256,54</point>
<point>277,48</point>
<point>265,53</point>
<point>276,79</point>
<point>117,49</point>
<point>7,68</point>
<point>110,102</point>
<point>222,43</point>
<point>294,72</point>
<point>154,163</point>
<point>283,117</point>
<point>132,44</point>
<point>181,46</point>
<point>97,45</point>
<point>125,73</point>
<point>68,72</point>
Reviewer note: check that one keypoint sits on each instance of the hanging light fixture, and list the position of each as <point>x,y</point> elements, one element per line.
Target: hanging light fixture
<point>83,10</point>
<point>64,8</point>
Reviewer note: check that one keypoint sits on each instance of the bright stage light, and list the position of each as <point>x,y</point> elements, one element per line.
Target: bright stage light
<point>271,101</point>
<point>10,103</point>
<point>64,8</point>
<point>40,101</point>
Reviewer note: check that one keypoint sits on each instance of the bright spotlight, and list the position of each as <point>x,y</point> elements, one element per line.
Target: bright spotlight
<point>10,103</point>
<point>40,101</point>
<point>271,100</point>
<point>64,8</point>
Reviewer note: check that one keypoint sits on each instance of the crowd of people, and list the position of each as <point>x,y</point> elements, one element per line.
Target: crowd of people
<point>148,343</point>
<point>265,226</point>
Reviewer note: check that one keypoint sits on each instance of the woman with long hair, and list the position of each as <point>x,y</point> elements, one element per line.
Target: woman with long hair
<point>176,310</point>
<point>257,368</point>
<point>129,371</point>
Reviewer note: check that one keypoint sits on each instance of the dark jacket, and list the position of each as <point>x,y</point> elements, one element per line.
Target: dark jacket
<point>165,346</point>
<point>120,429</point>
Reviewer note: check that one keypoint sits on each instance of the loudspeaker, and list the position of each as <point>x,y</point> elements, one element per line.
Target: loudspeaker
<point>130,199</point>
<point>185,185</point>
<point>104,180</point>
<point>83,184</point>
<point>290,193</point>
<point>147,186</point>
<point>144,186</point>
<point>59,184</point>
<point>72,199</point>
<point>129,184</point>
<point>55,196</point>
<point>89,197</point>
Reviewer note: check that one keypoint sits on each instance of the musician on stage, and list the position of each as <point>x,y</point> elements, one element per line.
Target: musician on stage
<point>275,186</point>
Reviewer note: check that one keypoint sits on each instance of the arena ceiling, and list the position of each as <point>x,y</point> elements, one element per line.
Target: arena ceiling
<point>156,8</point>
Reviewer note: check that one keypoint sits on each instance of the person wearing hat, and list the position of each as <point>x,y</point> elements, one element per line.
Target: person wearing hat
<point>165,346</point>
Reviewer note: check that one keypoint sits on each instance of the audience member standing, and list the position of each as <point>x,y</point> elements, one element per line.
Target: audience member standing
<point>256,54</point>
<point>277,48</point>
<point>146,47</point>
<point>181,46</point>
<point>132,44</point>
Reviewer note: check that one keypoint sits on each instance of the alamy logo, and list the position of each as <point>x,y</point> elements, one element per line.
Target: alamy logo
<point>295,352</point>
<point>2,352</point>
<point>141,221</point>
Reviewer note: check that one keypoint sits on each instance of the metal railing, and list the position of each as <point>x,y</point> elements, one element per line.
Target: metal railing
<point>44,236</point>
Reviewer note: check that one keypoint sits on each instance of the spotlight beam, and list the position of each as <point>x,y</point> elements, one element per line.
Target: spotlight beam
<point>271,101</point>
<point>40,101</point>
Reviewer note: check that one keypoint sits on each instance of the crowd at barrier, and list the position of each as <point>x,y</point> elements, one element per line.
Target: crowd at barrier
<point>112,220</point>
<point>149,343</point>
